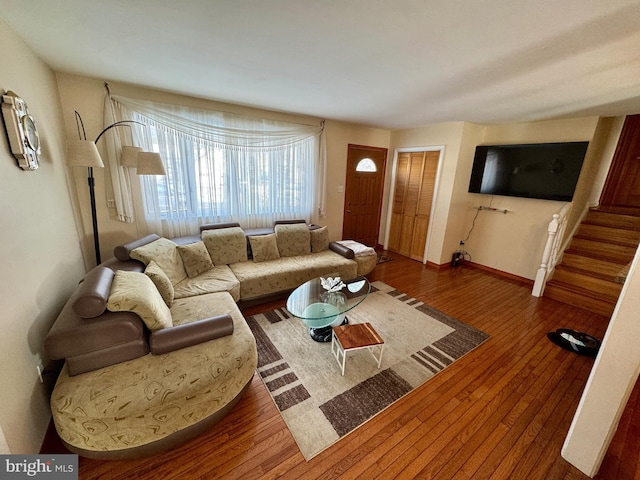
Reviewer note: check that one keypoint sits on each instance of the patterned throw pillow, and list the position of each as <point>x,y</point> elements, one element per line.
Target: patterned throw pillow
<point>196,258</point>
<point>165,253</point>
<point>293,239</point>
<point>264,247</point>
<point>161,281</point>
<point>135,292</point>
<point>319,239</point>
<point>226,245</point>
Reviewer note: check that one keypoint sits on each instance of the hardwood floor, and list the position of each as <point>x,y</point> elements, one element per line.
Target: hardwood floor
<point>503,411</point>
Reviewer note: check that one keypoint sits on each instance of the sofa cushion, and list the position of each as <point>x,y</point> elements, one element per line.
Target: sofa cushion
<point>135,292</point>
<point>226,245</point>
<point>195,258</point>
<point>264,247</point>
<point>293,239</point>
<point>287,273</point>
<point>319,239</point>
<point>161,281</point>
<point>165,253</point>
<point>219,279</point>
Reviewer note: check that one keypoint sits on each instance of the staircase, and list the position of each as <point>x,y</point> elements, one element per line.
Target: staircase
<point>589,274</point>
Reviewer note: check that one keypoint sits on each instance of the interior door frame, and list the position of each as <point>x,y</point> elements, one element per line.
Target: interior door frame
<point>392,188</point>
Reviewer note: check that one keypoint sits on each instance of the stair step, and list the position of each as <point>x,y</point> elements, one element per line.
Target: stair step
<point>608,219</point>
<point>605,289</point>
<point>605,251</point>
<point>572,295</point>
<point>607,234</point>
<point>599,268</point>
<point>588,276</point>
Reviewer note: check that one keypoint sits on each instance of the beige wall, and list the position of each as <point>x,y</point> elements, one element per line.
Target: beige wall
<point>86,95</point>
<point>514,242</point>
<point>511,242</point>
<point>449,137</point>
<point>339,136</point>
<point>40,256</point>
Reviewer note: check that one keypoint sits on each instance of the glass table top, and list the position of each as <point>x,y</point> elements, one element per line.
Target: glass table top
<point>319,308</point>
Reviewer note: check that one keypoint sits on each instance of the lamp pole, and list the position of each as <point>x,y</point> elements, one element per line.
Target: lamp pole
<point>91,180</point>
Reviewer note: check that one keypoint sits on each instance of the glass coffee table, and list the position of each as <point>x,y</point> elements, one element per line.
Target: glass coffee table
<point>321,310</point>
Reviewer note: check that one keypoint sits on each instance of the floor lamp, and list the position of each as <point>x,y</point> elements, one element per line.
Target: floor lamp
<point>84,153</point>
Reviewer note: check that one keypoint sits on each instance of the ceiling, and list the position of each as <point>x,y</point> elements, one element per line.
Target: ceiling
<point>386,63</point>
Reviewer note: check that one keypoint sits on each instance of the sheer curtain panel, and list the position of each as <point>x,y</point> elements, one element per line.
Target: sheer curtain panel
<point>224,167</point>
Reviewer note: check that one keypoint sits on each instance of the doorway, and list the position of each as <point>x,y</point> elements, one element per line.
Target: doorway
<point>621,193</point>
<point>363,194</point>
<point>411,202</point>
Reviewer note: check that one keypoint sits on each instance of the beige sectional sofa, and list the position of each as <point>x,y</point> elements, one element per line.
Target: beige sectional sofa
<point>155,346</point>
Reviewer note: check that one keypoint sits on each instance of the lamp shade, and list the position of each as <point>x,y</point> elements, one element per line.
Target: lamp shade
<point>83,153</point>
<point>129,157</point>
<point>150,163</point>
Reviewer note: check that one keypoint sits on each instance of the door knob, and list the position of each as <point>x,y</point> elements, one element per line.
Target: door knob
<point>348,211</point>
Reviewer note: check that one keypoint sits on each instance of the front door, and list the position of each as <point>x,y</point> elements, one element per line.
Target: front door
<point>363,194</point>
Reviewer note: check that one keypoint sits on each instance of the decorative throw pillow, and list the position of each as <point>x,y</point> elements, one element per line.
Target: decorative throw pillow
<point>161,281</point>
<point>165,253</point>
<point>195,258</point>
<point>226,245</point>
<point>293,239</point>
<point>264,247</point>
<point>319,239</point>
<point>135,292</point>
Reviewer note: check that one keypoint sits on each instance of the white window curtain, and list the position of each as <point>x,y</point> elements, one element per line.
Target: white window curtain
<point>224,167</point>
<point>120,179</point>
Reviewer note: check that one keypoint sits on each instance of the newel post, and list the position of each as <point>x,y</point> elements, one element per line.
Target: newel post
<point>541,275</point>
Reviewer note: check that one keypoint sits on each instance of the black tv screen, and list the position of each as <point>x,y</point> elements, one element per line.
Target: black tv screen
<point>547,171</point>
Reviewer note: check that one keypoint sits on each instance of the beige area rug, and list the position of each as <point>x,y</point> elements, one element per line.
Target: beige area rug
<point>318,404</point>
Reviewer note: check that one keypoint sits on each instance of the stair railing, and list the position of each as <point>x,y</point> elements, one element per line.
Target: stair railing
<point>552,251</point>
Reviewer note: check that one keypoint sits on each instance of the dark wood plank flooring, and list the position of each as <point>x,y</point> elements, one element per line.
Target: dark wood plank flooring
<point>501,412</point>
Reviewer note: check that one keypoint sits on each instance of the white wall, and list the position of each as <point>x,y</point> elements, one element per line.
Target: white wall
<point>610,383</point>
<point>40,257</point>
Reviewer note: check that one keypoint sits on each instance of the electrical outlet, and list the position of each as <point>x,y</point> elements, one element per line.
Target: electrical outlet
<point>40,369</point>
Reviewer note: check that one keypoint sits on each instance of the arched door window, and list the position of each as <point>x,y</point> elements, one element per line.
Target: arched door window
<point>366,165</point>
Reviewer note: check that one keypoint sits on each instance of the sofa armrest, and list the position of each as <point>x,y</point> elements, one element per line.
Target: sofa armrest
<point>346,252</point>
<point>93,293</point>
<point>174,338</point>
<point>122,252</point>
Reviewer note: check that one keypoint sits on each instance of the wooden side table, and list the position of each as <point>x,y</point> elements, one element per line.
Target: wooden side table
<point>355,337</point>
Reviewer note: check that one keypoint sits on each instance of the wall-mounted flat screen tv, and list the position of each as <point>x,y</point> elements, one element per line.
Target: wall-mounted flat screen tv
<point>548,171</point>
